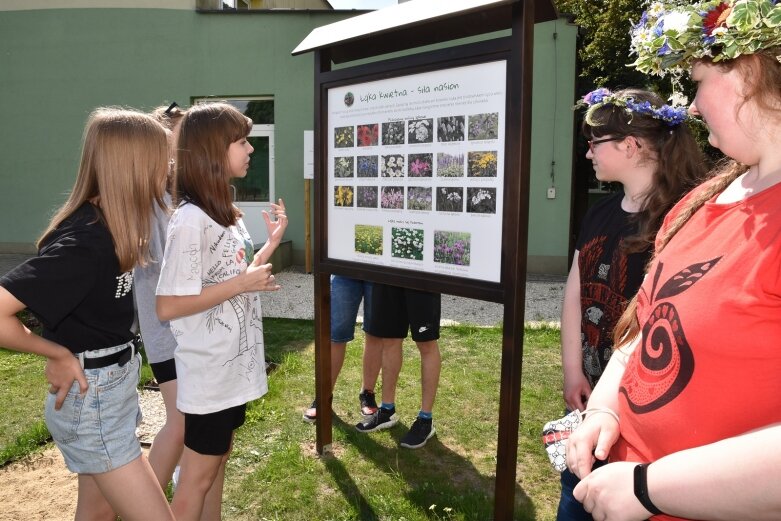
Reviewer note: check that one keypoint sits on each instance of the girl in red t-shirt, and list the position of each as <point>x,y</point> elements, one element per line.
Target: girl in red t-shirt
<point>695,380</point>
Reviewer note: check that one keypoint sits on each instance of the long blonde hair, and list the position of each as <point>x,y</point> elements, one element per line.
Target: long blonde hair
<point>124,161</point>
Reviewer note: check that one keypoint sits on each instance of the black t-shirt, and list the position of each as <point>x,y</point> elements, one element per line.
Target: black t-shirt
<point>609,278</point>
<point>74,286</point>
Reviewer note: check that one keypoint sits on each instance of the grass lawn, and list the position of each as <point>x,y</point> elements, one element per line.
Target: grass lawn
<point>276,474</point>
<point>23,388</point>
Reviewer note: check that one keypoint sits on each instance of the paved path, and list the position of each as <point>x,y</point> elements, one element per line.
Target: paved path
<point>295,299</point>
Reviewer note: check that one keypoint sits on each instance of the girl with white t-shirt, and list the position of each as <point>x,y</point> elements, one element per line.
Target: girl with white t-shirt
<point>209,291</point>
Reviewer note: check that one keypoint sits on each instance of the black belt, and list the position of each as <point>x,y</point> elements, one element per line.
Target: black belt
<point>120,357</point>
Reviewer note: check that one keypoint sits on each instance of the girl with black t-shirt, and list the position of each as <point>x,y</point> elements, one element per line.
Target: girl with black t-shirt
<point>637,140</point>
<point>79,287</point>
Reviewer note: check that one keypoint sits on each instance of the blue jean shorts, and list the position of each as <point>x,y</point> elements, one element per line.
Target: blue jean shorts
<point>346,295</point>
<point>96,433</point>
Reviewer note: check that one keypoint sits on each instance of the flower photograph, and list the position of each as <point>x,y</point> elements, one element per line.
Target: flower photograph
<point>407,243</point>
<point>343,195</point>
<point>368,239</point>
<point>392,165</point>
<point>368,166</point>
<point>450,199</point>
<point>481,200</point>
<point>419,198</point>
<point>420,165</point>
<point>343,166</point>
<point>481,164</point>
<point>393,133</point>
<point>392,197</point>
<point>420,130</point>
<point>368,135</point>
<point>450,128</point>
<point>450,165</point>
<point>366,196</point>
<point>452,247</point>
<point>343,137</point>
<point>484,126</point>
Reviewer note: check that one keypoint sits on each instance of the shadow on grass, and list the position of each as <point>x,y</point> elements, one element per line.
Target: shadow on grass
<point>435,475</point>
<point>286,335</point>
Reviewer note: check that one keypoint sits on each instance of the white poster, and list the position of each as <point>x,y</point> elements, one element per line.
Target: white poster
<point>309,154</point>
<point>416,171</point>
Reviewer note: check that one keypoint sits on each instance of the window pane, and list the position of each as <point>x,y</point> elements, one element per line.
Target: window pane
<point>255,186</point>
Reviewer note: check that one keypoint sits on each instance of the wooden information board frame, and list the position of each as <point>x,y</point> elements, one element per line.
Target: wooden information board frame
<point>408,26</point>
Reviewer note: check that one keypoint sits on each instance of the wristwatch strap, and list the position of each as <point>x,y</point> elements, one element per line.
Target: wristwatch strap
<point>641,489</point>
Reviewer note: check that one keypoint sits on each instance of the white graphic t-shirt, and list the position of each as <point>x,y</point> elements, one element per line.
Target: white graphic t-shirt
<point>220,361</point>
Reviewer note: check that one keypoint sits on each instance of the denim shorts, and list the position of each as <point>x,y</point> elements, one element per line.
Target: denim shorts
<point>96,433</point>
<point>346,295</point>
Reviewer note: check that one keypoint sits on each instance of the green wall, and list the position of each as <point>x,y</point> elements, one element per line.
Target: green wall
<point>57,65</point>
<point>552,142</point>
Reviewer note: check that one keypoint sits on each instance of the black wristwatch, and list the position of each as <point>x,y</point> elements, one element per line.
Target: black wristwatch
<point>641,489</point>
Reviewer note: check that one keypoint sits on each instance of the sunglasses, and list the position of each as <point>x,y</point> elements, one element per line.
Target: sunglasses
<point>592,142</point>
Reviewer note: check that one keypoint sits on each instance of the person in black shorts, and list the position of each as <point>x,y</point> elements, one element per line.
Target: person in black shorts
<point>403,309</point>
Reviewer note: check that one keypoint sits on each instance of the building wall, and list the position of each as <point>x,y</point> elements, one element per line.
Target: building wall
<point>56,65</point>
<point>552,142</point>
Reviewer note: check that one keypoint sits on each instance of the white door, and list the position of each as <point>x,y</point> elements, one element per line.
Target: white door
<point>254,192</point>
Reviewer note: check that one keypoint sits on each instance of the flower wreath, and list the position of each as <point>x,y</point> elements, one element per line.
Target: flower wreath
<point>672,33</point>
<point>672,116</point>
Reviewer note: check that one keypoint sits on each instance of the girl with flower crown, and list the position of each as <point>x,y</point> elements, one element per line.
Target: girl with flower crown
<point>637,140</point>
<point>695,383</point>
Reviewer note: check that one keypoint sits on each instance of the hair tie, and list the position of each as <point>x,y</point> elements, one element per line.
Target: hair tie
<point>170,108</point>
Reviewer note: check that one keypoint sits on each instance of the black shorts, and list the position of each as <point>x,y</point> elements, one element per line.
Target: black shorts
<point>396,310</point>
<point>164,371</point>
<point>211,434</point>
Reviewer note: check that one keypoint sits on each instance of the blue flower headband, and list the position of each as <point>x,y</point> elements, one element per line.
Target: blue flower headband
<point>671,116</point>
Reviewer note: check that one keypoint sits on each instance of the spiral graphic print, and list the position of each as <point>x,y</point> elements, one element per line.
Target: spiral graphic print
<point>665,364</point>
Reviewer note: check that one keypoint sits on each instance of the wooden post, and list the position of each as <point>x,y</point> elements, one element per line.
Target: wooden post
<point>307,227</point>
<point>518,160</point>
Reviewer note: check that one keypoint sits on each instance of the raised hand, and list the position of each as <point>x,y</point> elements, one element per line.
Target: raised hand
<point>275,228</point>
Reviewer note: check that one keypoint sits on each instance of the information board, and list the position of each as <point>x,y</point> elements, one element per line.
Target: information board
<point>416,171</point>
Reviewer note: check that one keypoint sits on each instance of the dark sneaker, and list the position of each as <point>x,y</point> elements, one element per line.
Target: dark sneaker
<point>368,403</point>
<point>418,434</point>
<point>382,419</point>
<point>310,415</point>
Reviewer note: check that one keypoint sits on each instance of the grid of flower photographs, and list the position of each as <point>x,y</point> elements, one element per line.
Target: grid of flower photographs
<point>441,166</point>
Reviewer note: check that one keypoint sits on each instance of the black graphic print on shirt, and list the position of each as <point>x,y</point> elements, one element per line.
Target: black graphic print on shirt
<point>666,362</point>
<point>604,277</point>
<point>609,277</point>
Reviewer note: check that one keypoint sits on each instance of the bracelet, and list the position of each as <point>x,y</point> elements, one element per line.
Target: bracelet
<point>605,410</point>
<point>641,489</point>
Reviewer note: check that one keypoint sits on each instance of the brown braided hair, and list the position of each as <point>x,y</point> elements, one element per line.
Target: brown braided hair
<point>761,73</point>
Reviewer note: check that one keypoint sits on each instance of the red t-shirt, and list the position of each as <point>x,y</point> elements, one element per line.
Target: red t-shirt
<point>709,366</point>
